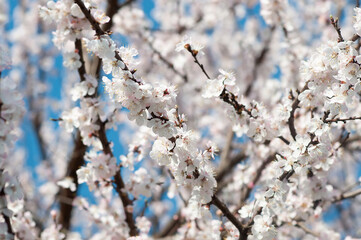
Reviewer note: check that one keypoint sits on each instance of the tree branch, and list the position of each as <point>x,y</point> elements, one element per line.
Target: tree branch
<point>81,69</point>
<point>291,119</point>
<point>226,95</point>
<point>173,225</point>
<point>347,195</point>
<point>341,119</point>
<point>335,24</point>
<point>307,230</point>
<point>76,161</point>
<point>227,213</point>
<point>99,32</point>
<point>229,96</point>
<point>112,8</point>
<point>118,181</point>
<point>90,18</point>
<point>284,140</point>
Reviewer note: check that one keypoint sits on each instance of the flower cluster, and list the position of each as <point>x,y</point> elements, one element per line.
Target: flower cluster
<point>255,121</point>
<point>154,107</point>
<point>331,77</point>
<point>109,217</point>
<point>85,119</point>
<point>141,183</point>
<point>11,112</point>
<point>84,88</point>
<point>100,167</point>
<point>71,24</point>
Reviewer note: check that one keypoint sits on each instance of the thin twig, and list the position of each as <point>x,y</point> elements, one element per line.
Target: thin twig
<point>348,188</point>
<point>291,119</point>
<point>354,37</point>
<point>347,195</point>
<point>194,55</point>
<point>171,227</point>
<point>226,95</point>
<point>344,141</point>
<point>336,24</point>
<point>307,230</point>
<point>341,119</point>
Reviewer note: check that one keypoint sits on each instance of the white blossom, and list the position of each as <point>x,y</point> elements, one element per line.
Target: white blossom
<point>67,183</point>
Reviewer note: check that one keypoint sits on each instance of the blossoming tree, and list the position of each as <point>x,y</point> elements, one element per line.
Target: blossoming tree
<point>240,119</point>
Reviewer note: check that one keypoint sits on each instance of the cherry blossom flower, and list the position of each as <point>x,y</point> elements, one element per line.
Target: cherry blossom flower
<point>72,60</point>
<point>246,211</point>
<point>187,42</point>
<point>52,233</point>
<point>84,88</point>
<point>104,47</point>
<point>143,225</point>
<point>257,131</point>
<point>67,183</point>
<point>161,151</point>
<point>100,16</point>
<point>213,88</point>
<point>76,11</point>
<point>263,228</point>
<point>227,78</point>
<point>300,145</point>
